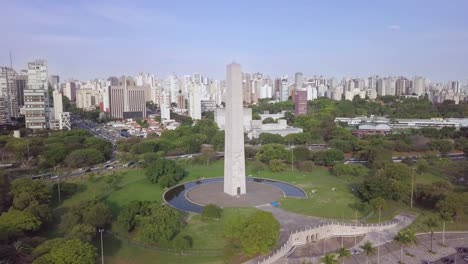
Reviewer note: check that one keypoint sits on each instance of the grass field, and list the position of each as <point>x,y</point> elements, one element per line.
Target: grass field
<point>322,201</point>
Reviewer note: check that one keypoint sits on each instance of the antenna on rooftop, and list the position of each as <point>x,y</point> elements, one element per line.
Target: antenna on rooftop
<point>11,61</point>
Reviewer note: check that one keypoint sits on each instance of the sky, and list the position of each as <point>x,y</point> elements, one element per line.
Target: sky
<point>97,39</point>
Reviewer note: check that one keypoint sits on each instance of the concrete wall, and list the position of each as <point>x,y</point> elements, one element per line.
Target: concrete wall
<point>327,230</point>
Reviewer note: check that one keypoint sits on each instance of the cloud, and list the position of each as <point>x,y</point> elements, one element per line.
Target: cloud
<point>393,27</point>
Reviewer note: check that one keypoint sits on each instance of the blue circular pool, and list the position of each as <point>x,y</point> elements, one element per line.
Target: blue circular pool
<point>176,196</point>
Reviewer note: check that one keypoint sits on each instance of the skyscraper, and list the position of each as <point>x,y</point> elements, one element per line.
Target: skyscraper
<point>195,101</point>
<point>8,93</point>
<point>36,96</point>
<point>299,80</point>
<point>234,165</point>
<point>300,102</point>
<point>70,91</point>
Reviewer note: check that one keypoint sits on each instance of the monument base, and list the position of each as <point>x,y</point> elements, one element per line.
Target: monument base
<point>213,193</point>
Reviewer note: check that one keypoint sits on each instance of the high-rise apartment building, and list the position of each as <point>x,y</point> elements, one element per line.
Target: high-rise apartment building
<point>419,85</point>
<point>284,91</point>
<point>87,99</point>
<point>298,79</point>
<point>8,95</point>
<point>21,85</point>
<point>36,101</point>
<point>54,81</point>
<point>300,102</point>
<point>195,101</point>
<point>70,91</point>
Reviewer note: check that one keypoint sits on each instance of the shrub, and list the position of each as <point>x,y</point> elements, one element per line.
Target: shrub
<point>277,165</point>
<point>211,211</point>
<point>306,166</point>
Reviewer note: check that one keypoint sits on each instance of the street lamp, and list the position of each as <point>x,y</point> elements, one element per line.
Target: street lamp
<point>412,188</point>
<point>102,247</point>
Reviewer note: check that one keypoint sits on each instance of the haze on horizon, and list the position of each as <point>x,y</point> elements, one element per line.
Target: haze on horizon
<point>88,39</point>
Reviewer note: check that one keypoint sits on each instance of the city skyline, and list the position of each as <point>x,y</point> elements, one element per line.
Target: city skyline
<point>332,39</point>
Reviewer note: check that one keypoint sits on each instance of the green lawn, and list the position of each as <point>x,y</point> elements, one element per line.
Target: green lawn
<point>209,235</point>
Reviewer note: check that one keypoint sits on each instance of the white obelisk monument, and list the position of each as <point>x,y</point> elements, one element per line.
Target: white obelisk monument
<point>234,158</point>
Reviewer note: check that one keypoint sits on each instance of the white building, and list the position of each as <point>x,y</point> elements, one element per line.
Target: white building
<point>280,128</point>
<point>195,101</point>
<point>36,96</point>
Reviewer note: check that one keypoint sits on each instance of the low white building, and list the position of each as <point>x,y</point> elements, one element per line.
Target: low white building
<point>220,118</point>
<point>280,128</point>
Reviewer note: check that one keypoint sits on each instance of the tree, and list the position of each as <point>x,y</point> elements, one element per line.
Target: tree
<point>183,242</point>
<point>268,120</point>
<point>267,138</point>
<point>453,205</point>
<point>97,215</point>
<point>329,259</point>
<point>271,151</point>
<point>430,223</point>
<point>328,157</point>
<point>161,225</point>
<point>5,197</point>
<point>260,233</point>
<point>344,253</point>
<point>26,191</point>
<point>84,157</point>
<point>83,232</point>
<point>128,216</point>
<point>208,153</point>
<point>306,166</point>
<point>165,172</point>
<point>277,165</point>
<point>211,211</point>
<point>72,251</point>
<point>369,249</point>
<point>405,239</point>
<point>15,220</point>
<point>92,213</point>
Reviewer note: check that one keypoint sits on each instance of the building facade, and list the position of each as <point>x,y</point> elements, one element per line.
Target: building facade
<point>36,102</point>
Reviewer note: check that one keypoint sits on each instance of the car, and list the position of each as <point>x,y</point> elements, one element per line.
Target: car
<point>54,177</point>
<point>110,167</point>
<point>448,260</point>
<point>428,262</point>
<point>88,170</point>
<point>465,258</point>
<point>356,251</point>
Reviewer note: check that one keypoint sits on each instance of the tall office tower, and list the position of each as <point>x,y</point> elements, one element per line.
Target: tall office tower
<point>234,161</point>
<point>54,81</point>
<point>36,101</point>
<point>298,80</point>
<point>381,86</point>
<point>127,100</point>
<point>455,86</point>
<point>21,85</point>
<point>300,102</point>
<point>419,85</point>
<point>284,92</point>
<point>70,91</point>
<point>246,89</point>
<point>195,101</point>
<point>9,95</point>
<point>312,93</point>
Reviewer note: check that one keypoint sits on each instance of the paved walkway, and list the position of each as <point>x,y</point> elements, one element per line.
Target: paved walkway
<point>290,222</point>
